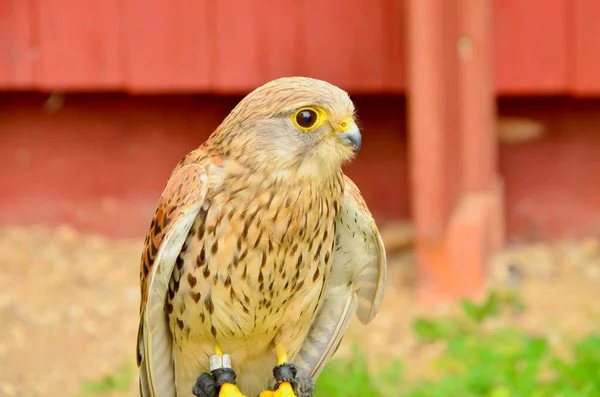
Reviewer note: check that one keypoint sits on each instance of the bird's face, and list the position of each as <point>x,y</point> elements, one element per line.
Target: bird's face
<point>295,124</point>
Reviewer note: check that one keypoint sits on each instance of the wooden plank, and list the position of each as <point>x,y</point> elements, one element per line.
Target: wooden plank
<point>585,59</point>
<point>236,54</point>
<point>478,154</point>
<point>167,45</point>
<point>281,47</point>
<point>17,54</point>
<point>394,55</point>
<point>344,42</point>
<point>531,46</point>
<point>79,44</point>
<point>450,90</point>
<point>234,45</point>
<point>432,131</point>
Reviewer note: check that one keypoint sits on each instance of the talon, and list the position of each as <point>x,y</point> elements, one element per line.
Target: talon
<point>287,383</point>
<point>223,376</point>
<point>205,386</point>
<point>285,373</point>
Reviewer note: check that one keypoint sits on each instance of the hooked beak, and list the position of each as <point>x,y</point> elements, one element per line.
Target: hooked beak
<point>351,137</point>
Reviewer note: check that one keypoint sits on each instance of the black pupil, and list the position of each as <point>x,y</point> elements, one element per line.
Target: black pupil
<point>306,118</point>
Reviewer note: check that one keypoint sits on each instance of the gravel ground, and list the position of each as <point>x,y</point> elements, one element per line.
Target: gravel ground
<point>69,304</point>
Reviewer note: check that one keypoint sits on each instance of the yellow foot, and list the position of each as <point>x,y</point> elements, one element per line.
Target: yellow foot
<point>230,390</point>
<point>284,373</point>
<point>284,390</point>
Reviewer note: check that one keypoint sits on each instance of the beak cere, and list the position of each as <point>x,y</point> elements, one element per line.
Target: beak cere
<point>351,137</point>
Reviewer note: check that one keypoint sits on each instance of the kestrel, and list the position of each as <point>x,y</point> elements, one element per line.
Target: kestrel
<point>260,251</point>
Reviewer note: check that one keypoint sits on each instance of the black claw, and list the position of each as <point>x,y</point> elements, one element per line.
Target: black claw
<point>285,373</point>
<point>224,375</point>
<point>303,386</point>
<point>206,386</point>
<point>209,384</point>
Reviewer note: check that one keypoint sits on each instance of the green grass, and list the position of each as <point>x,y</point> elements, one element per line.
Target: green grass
<point>477,361</point>
<point>119,381</point>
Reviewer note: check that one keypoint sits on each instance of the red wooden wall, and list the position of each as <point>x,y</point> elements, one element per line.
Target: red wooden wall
<point>551,183</point>
<point>541,46</point>
<point>89,154</point>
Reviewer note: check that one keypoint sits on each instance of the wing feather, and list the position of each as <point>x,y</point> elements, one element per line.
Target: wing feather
<point>356,283</point>
<point>176,211</point>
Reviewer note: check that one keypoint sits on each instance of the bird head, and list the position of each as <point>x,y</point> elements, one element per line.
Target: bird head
<point>292,124</point>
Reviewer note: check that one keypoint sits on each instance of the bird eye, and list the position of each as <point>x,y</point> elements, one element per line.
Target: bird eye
<point>306,118</point>
<point>309,118</point>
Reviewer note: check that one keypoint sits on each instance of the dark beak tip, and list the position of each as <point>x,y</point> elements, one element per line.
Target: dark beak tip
<point>356,142</point>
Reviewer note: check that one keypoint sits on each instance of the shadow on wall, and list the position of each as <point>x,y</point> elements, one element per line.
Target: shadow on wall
<point>99,162</point>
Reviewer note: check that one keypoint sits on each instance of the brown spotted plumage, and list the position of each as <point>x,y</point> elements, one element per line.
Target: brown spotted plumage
<point>259,242</point>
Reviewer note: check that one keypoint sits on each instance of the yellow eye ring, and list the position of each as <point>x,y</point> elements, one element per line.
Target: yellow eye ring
<point>309,118</point>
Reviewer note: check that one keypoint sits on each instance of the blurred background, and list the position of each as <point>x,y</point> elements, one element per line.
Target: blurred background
<point>481,131</point>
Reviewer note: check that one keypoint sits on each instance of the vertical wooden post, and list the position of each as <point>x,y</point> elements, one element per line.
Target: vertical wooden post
<point>428,146</point>
<point>477,101</point>
<point>451,101</point>
<point>480,180</point>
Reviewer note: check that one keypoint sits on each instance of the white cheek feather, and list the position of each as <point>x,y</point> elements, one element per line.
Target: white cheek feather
<point>312,167</point>
<point>325,160</point>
